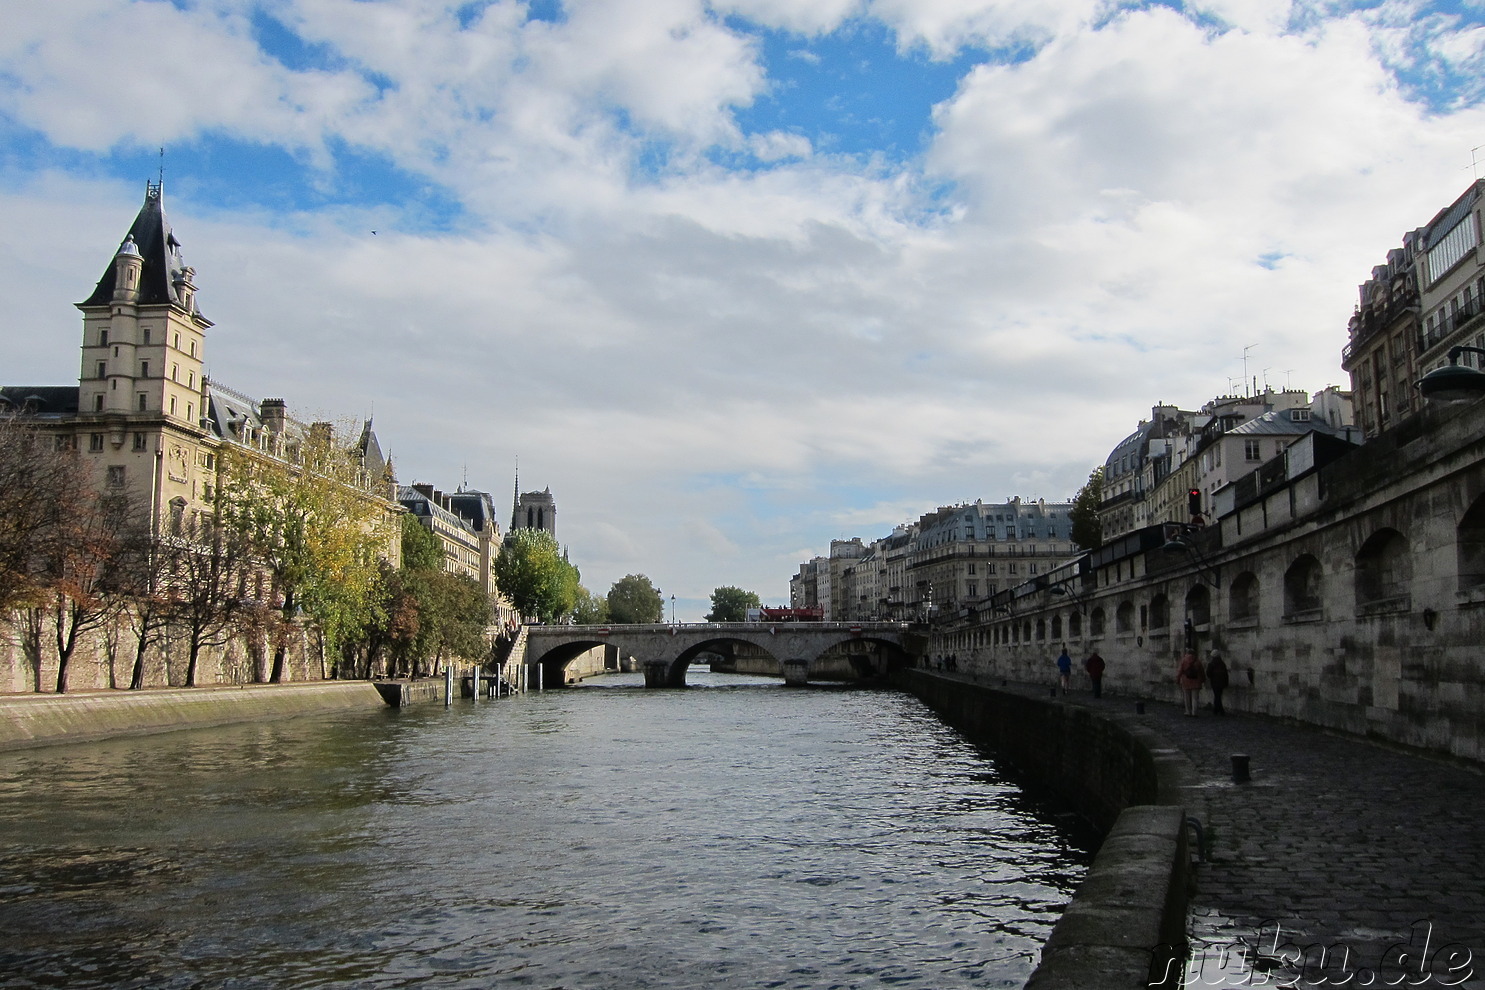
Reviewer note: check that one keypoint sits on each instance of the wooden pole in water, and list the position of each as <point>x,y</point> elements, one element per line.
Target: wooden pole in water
<point>448,685</point>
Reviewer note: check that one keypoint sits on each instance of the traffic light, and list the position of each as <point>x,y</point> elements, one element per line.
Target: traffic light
<point>1193,501</point>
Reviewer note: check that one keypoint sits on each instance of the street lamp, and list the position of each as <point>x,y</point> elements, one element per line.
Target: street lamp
<point>1182,544</point>
<point>1454,383</point>
<point>672,609</point>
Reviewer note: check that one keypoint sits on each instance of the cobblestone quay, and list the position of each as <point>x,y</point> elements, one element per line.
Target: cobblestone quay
<point>1340,863</point>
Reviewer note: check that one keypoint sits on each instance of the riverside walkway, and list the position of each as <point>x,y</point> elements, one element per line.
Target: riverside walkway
<point>1341,862</point>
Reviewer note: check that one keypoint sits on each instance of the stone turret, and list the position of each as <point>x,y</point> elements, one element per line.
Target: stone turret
<point>128,267</point>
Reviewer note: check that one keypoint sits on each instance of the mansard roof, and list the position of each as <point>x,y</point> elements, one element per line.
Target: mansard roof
<point>39,400</point>
<point>158,247</point>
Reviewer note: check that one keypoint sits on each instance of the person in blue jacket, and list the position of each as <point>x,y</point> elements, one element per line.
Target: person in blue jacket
<point>1064,669</point>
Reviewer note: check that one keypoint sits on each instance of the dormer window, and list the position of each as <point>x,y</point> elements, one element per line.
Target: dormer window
<point>1299,415</point>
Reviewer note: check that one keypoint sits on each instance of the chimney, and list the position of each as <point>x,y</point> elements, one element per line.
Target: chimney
<point>274,413</point>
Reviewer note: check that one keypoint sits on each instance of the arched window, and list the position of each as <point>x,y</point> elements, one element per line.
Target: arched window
<point>1124,619</point>
<point>1096,623</point>
<point>1056,627</point>
<point>1199,605</point>
<point>1041,630</point>
<point>1075,625</point>
<point>1159,613</point>
<point>1470,547</point>
<point>1302,586</point>
<point>1383,568</point>
<point>1242,597</point>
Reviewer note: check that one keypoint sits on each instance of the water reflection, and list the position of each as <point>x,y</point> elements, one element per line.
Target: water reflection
<point>737,834</point>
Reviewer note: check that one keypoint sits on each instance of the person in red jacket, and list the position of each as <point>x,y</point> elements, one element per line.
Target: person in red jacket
<point>1190,675</point>
<point>1094,666</point>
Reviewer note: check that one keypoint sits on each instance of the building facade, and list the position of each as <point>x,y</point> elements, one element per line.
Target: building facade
<point>143,413</point>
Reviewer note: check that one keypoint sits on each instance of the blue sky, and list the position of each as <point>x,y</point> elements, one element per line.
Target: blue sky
<point>736,278</point>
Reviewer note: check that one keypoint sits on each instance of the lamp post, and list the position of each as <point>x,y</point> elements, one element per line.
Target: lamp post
<point>672,610</point>
<point>1454,383</point>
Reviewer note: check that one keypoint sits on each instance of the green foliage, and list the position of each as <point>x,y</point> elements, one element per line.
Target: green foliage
<point>591,609</point>
<point>731,604</point>
<point>532,574</point>
<point>421,548</point>
<point>633,599</point>
<point>313,529</point>
<point>1087,530</point>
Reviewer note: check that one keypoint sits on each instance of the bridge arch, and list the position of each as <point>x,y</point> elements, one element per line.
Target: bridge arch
<point>667,650</point>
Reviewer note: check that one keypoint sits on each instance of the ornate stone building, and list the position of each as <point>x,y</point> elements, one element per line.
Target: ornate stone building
<point>143,413</point>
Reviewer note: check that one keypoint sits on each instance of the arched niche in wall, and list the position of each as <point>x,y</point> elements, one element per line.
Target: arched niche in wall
<point>1302,586</point>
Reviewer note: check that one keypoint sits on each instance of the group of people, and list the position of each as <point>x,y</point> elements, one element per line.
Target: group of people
<point>1191,675</point>
<point>1094,665</point>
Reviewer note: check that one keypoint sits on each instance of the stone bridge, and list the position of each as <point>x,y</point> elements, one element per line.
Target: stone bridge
<point>665,651</point>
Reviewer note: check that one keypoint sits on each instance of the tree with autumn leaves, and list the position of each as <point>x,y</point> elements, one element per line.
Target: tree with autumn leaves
<point>315,532</point>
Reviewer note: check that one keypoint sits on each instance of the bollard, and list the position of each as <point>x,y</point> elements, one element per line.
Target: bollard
<point>1240,768</point>
<point>541,678</point>
<point>476,691</point>
<point>448,685</point>
<point>1139,708</point>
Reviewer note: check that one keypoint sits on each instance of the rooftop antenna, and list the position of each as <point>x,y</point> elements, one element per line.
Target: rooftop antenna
<point>1475,160</point>
<point>465,483</point>
<point>1245,366</point>
<point>1287,373</point>
<point>162,166</point>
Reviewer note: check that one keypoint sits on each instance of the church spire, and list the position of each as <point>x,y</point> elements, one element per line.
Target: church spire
<point>515,499</point>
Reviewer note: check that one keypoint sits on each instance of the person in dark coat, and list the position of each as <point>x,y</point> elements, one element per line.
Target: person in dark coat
<point>1094,666</point>
<point>1216,680</point>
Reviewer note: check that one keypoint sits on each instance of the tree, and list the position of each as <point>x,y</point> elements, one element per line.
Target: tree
<point>41,479</point>
<point>85,549</point>
<point>142,581</point>
<point>206,572</point>
<point>731,604</point>
<point>591,609</point>
<point>531,572</point>
<point>315,530</point>
<point>633,599</point>
<point>1087,529</point>
<point>422,550</point>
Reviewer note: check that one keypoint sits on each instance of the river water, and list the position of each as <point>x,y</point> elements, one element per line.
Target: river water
<point>735,834</point>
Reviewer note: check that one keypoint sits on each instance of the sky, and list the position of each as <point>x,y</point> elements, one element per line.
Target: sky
<point>736,278</point>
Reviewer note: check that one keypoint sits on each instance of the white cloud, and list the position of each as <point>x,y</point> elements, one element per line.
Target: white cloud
<point>712,368</point>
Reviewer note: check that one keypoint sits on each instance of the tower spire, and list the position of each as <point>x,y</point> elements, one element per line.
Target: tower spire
<point>515,499</point>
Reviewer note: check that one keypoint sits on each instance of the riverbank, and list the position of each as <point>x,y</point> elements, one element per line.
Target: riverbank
<point>1337,861</point>
<point>1126,925</point>
<point>28,720</point>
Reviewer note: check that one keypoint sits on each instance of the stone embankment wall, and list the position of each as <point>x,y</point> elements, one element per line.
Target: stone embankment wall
<point>39,720</point>
<point>1352,597</point>
<point>1128,919</point>
<point>104,658</point>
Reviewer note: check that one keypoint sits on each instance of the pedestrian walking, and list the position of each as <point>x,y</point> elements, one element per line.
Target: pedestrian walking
<point>1064,670</point>
<point>1094,666</point>
<point>1217,681</point>
<point>1190,675</point>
